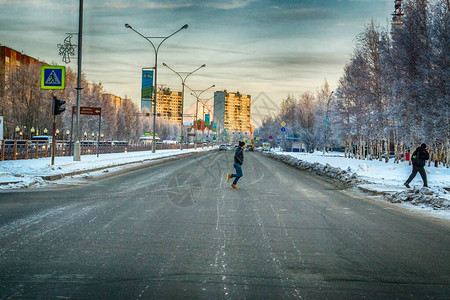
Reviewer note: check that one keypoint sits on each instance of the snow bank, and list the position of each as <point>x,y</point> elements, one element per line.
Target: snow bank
<point>436,198</point>
<point>372,176</point>
<point>343,178</point>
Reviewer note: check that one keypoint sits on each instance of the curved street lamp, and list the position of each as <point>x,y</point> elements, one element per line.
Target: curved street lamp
<point>155,88</point>
<point>197,96</point>
<point>204,104</point>
<point>183,80</point>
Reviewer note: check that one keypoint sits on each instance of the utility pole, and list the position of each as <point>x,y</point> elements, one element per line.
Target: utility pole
<point>77,147</point>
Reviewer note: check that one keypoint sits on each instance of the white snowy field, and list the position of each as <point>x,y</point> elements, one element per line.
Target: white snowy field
<point>372,175</point>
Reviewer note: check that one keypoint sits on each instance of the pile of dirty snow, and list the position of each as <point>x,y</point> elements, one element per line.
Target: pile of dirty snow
<point>344,178</point>
<point>438,200</point>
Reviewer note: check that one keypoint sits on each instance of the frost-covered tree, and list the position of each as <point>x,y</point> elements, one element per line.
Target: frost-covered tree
<point>25,104</point>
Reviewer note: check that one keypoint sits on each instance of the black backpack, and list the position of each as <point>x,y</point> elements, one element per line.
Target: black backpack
<point>417,160</point>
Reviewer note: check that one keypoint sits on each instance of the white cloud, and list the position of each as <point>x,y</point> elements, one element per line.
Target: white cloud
<point>233,4</point>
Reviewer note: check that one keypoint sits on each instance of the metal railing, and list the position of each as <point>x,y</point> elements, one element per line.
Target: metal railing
<point>33,149</point>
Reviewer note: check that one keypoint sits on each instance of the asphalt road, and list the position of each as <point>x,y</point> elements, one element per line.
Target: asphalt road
<point>178,230</point>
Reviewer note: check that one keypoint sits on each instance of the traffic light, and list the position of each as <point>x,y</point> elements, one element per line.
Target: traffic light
<point>57,106</point>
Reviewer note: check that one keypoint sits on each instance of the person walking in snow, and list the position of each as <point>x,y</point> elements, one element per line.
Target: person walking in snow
<point>238,161</point>
<point>420,155</point>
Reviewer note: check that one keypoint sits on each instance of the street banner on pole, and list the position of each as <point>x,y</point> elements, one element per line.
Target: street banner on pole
<point>207,120</point>
<point>147,85</point>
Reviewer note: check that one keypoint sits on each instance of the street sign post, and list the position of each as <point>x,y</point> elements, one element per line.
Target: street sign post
<point>53,77</point>
<point>85,110</point>
<point>90,111</point>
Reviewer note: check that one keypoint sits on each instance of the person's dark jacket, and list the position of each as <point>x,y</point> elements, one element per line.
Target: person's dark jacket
<point>239,156</point>
<point>420,155</point>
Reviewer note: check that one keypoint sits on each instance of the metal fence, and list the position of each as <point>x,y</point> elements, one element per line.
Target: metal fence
<point>33,149</point>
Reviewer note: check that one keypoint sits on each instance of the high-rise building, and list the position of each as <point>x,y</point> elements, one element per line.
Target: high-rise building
<point>115,100</point>
<point>232,114</point>
<point>168,105</point>
<point>12,60</point>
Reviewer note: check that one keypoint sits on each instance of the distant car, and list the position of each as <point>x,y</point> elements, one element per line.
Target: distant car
<point>43,141</point>
<point>223,147</point>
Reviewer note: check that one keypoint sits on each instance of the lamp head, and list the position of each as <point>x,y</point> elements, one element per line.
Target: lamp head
<point>128,26</point>
<point>204,65</point>
<point>185,26</point>
<point>213,85</point>
<point>164,64</point>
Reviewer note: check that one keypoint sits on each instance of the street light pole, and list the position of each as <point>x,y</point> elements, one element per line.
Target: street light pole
<point>183,80</point>
<point>77,148</point>
<point>197,96</point>
<point>155,87</point>
<point>203,102</point>
<point>326,124</point>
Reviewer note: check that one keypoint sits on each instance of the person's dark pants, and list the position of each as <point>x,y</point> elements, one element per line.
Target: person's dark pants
<point>422,173</point>
<point>238,174</point>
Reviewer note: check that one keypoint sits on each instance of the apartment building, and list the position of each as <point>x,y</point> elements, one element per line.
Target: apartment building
<point>12,60</point>
<point>232,113</point>
<point>115,100</point>
<point>168,105</point>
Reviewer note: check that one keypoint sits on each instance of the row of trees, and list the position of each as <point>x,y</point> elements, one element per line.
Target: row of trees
<point>305,119</point>
<point>25,105</point>
<point>394,93</point>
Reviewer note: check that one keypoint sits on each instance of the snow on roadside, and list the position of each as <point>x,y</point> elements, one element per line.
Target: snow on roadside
<point>16,174</point>
<point>374,176</point>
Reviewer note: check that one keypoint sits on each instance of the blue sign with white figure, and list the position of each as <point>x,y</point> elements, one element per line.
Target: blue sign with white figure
<point>53,77</point>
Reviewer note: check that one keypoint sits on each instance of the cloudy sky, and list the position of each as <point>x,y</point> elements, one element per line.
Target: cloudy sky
<point>265,48</point>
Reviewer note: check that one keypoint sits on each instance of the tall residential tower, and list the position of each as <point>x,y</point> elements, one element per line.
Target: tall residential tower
<point>232,114</point>
<point>168,105</point>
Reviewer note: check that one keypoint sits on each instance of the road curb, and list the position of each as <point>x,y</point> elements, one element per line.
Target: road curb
<point>9,182</point>
<point>373,192</point>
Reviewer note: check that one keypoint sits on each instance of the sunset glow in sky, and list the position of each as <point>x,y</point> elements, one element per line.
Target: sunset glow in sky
<point>276,47</point>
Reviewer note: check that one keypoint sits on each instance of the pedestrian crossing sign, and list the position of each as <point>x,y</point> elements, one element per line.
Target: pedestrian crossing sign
<point>53,77</point>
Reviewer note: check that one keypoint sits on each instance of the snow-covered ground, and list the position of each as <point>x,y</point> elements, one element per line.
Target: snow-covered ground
<point>386,178</point>
<point>30,173</point>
